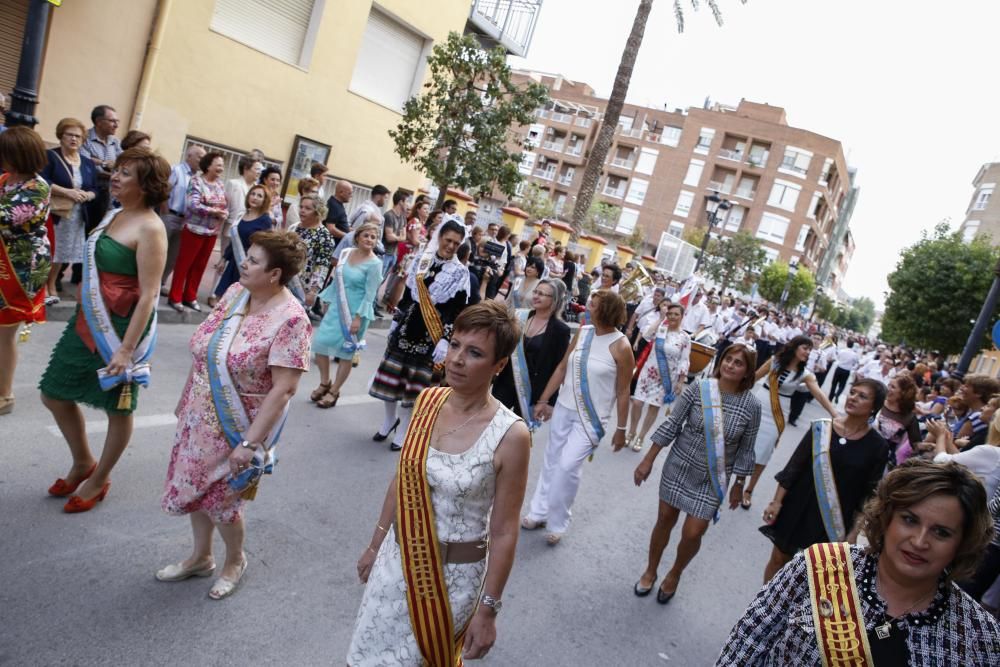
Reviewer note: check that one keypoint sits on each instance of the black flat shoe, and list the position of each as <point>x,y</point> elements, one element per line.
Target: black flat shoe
<point>379,437</point>
<point>393,447</point>
<point>664,598</point>
<point>642,592</point>
<point>193,305</point>
<point>176,306</point>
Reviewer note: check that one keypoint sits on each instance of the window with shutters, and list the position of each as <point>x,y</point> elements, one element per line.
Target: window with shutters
<point>772,228</point>
<point>693,176</point>
<point>283,29</point>
<point>627,221</point>
<point>784,195</point>
<point>390,62</point>
<point>12,20</point>
<point>684,201</point>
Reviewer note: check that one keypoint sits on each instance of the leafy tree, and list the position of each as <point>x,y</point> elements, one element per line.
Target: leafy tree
<point>602,218</point>
<point>613,110</point>
<point>772,284</point>
<point>826,308</point>
<point>937,290</point>
<point>636,240</point>
<point>535,201</point>
<point>865,312</point>
<point>734,260</point>
<point>458,131</point>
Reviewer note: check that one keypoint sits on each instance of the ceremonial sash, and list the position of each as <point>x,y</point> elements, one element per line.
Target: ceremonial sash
<point>772,383</point>
<point>715,438</point>
<point>106,340</point>
<point>236,244</point>
<point>826,487</point>
<point>663,366</point>
<point>229,408</point>
<point>432,318</point>
<point>423,566</point>
<point>14,294</point>
<point>351,342</point>
<point>836,610</point>
<point>581,388</point>
<point>522,381</point>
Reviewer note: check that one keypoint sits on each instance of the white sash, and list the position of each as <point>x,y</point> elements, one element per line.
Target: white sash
<point>715,438</point>
<point>351,342</point>
<point>522,381</point>
<point>581,388</point>
<point>826,486</point>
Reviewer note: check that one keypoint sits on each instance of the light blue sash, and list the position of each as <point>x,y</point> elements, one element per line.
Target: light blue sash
<point>664,367</point>
<point>232,415</point>
<point>826,487</point>
<point>95,313</point>
<point>351,342</point>
<point>715,438</point>
<point>581,389</point>
<point>522,381</point>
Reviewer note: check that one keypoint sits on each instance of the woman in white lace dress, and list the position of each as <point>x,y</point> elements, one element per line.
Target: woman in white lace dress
<point>476,472</point>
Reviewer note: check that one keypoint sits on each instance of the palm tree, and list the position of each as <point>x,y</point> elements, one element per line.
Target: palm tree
<point>605,134</point>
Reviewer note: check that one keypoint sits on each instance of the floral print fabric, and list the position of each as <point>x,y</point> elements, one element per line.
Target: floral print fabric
<point>24,206</point>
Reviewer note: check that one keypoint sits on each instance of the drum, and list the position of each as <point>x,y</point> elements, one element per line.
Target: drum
<point>701,357</point>
<point>707,337</point>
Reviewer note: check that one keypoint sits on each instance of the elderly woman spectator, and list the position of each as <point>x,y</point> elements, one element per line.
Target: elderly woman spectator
<point>103,355</point>
<point>249,356</point>
<point>307,186</point>
<point>896,599</point>
<point>137,139</point>
<point>271,177</point>
<point>73,179</point>
<point>319,245</point>
<point>205,212</point>
<point>24,253</point>
<point>555,263</point>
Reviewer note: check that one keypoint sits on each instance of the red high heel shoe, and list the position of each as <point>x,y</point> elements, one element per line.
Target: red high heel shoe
<point>61,488</point>
<point>77,504</point>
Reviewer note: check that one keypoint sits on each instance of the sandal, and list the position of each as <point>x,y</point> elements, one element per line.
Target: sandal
<point>6,405</point>
<point>747,498</point>
<point>325,402</point>
<point>320,391</point>
<point>637,444</point>
<point>531,524</point>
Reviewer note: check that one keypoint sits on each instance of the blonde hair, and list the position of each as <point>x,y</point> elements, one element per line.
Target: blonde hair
<point>365,227</point>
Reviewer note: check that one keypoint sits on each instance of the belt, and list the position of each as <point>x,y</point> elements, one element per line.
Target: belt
<point>460,552</point>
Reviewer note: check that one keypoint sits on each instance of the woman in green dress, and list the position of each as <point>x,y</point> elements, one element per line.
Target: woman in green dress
<point>129,254</point>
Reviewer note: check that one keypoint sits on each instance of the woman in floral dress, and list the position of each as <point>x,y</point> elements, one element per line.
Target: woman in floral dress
<point>266,359</point>
<point>24,249</point>
<point>319,245</point>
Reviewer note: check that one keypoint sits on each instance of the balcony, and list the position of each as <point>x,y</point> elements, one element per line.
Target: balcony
<point>545,174</point>
<point>543,113</point>
<point>506,23</point>
<point>574,150</point>
<point>745,193</point>
<point>634,133</point>
<point>566,179</point>
<point>560,117</point>
<point>556,146</point>
<point>758,160</point>
<point>617,193</point>
<point>721,188</point>
<point>728,154</point>
<point>622,163</point>
<point>580,121</point>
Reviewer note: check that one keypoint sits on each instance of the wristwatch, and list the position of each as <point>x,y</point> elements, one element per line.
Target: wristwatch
<point>493,603</point>
<point>246,444</point>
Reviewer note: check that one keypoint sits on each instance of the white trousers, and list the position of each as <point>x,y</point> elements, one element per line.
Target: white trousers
<point>567,449</point>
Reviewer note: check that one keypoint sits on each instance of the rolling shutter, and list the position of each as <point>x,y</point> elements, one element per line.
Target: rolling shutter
<point>275,27</point>
<point>13,18</point>
<point>388,61</point>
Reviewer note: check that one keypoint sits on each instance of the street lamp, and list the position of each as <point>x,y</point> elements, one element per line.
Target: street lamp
<point>713,206</point>
<point>819,293</point>
<point>975,340</point>
<point>793,269</point>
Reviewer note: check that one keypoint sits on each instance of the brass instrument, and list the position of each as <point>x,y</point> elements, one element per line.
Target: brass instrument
<point>632,289</point>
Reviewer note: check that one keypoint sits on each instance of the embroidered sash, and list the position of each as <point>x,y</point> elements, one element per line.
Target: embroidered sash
<point>715,438</point>
<point>106,340</point>
<point>229,408</point>
<point>826,487</point>
<point>432,318</point>
<point>522,381</point>
<point>423,568</point>
<point>663,365</point>
<point>239,254</point>
<point>351,342</point>
<point>581,388</point>
<point>836,610</point>
<point>13,293</point>
<point>772,383</point>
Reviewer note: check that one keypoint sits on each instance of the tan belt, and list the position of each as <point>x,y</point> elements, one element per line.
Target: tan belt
<point>460,552</point>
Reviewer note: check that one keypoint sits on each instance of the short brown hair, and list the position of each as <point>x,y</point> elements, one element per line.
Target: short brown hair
<point>495,319</point>
<point>151,171</point>
<point>67,123</point>
<point>206,162</point>
<point>284,250</point>
<point>134,138</point>
<point>916,480</point>
<point>308,182</point>
<point>22,151</point>
<point>983,386</point>
<point>610,310</point>
<point>318,169</point>
<point>907,392</point>
<point>749,354</point>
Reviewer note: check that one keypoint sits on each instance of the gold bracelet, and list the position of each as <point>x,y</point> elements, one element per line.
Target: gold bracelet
<point>372,550</point>
<point>381,528</point>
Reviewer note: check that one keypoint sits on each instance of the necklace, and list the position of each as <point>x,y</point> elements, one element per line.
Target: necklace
<point>845,437</point>
<point>529,334</point>
<point>885,629</point>
<point>441,436</point>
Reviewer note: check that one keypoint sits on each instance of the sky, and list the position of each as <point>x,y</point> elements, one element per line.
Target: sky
<point>907,86</point>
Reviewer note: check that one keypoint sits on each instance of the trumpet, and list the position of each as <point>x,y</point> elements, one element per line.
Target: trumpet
<point>634,286</point>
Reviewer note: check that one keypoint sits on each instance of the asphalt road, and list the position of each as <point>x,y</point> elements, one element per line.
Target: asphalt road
<point>79,589</point>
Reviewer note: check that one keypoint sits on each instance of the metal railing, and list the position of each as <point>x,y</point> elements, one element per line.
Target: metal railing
<point>729,154</point>
<point>582,122</point>
<point>721,188</point>
<point>566,179</point>
<point>617,193</point>
<point>624,163</point>
<point>635,132</point>
<point>546,174</point>
<point>231,156</point>
<point>745,193</point>
<point>543,113</point>
<point>510,22</point>
<point>758,159</point>
<point>553,146</point>
<point>560,117</point>
<point>574,150</point>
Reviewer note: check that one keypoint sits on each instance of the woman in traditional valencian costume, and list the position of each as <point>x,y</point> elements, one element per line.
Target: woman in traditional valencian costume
<point>437,289</point>
<point>103,356</point>
<point>24,250</point>
<point>248,358</point>
<point>894,602</point>
<point>443,546</point>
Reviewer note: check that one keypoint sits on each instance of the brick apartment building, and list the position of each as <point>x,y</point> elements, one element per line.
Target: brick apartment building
<point>983,213</point>
<point>790,187</point>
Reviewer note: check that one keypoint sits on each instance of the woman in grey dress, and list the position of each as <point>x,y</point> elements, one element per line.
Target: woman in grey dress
<point>686,485</point>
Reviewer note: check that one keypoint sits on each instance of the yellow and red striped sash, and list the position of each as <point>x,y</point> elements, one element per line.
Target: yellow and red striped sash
<point>836,608</point>
<point>779,416</point>
<point>432,319</point>
<point>423,568</point>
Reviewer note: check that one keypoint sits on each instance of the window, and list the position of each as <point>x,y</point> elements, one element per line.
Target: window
<point>676,229</point>
<point>772,228</point>
<point>390,62</point>
<point>527,163</point>
<point>647,161</point>
<point>784,195</point>
<point>693,176</point>
<point>534,136</point>
<point>814,205</point>
<point>983,196</point>
<point>735,218</point>
<point>627,221</point>
<point>800,243</point>
<point>284,29</point>
<point>670,136</point>
<point>824,175</point>
<point>684,201</point>
<point>796,161</point>
<point>770,255</point>
<point>625,123</point>
<point>704,140</point>
<point>969,230</point>
<point>637,191</point>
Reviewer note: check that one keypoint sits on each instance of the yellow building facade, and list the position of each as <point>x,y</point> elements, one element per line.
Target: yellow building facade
<point>206,70</point>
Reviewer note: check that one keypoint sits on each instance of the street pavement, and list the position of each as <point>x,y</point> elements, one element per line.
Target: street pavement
<point>79,589</point>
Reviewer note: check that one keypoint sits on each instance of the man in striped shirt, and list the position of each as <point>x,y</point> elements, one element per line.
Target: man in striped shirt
<point>103,148</point>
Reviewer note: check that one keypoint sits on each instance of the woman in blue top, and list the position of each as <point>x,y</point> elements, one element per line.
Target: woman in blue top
<point>256,218</point>
<point>351,295</point>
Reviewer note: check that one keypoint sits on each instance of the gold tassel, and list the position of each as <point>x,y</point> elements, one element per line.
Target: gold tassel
<point>250,492</point>
<point>125,398</point>
<point>356,360</point>
<point>25,333</point>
